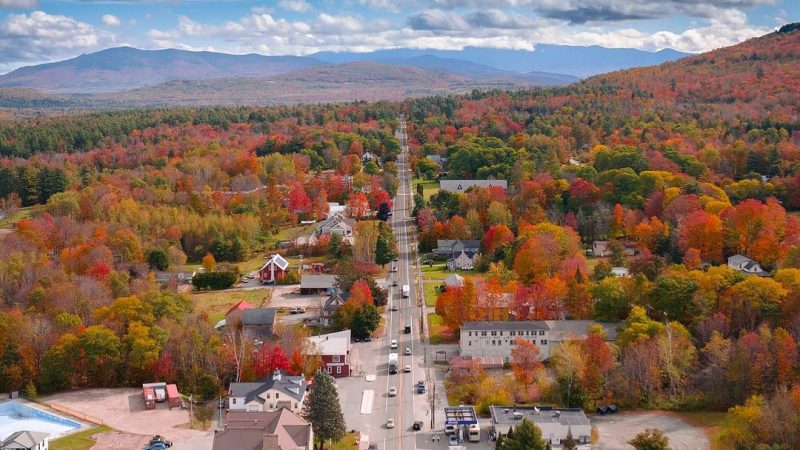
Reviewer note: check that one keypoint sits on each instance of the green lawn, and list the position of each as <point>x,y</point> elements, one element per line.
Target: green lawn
<point>438,271</point>
<point>429,187</point>
<point>23,213</point>
<point>429,291</point>
<point>440,333</point>
<point>78,441</point>
<point>348,442</point>
<point>293,232</point>
<point>216,303</point>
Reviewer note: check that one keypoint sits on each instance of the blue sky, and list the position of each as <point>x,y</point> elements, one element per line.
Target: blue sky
<point>36,31</point>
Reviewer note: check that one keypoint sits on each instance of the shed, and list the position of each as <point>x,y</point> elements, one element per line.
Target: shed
<point>173,396</point>
<point>149,396</point>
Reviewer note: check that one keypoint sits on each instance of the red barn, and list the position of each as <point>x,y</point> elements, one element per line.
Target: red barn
<point>334,348</point>
<point>273,270</point>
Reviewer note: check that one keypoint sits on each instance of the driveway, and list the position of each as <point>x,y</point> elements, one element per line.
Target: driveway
<point>616,430</point>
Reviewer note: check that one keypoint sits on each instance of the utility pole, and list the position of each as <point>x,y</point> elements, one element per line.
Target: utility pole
<point>433,408</point>
<point>191,416</point>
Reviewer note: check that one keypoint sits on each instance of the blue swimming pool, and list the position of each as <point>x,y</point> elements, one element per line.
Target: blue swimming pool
<point>14,416</point>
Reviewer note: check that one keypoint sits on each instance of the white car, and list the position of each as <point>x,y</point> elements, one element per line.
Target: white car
<point>407,368</point>
<point>393,344</point>
<point>407,351</point>
<point>390,423</point>
<point>395,308</point>
<point>392,391</point>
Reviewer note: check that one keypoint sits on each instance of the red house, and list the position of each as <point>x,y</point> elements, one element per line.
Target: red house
<point>273,270</point>
<point>334,348</point>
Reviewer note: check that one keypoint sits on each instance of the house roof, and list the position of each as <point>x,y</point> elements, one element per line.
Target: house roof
<point>294,386</point>
<point>335,300</point>
<point>463,185</point>
<point>246,430</point>
<point>505,325</point>
<point>258,316</point>
<point>738,259</point>
<point>332,343</point>
<point>539,415</point>
<point>241,305</point>
<point>447,244</point>
<point>317,281</point>
<point>166,276</point>
<point>279,262</point>
<point>454,280</point>
<point>24,439</point>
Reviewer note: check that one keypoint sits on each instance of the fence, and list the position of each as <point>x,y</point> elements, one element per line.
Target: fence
<point>74,413</point>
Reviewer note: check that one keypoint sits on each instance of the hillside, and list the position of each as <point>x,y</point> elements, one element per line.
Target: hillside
<point>123,68</point>
<point>757,78</point>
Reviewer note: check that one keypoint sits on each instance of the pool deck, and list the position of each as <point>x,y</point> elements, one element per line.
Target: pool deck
<point>34,424</point>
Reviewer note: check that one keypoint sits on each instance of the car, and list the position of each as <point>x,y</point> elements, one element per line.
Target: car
<point>251,276</point>
<point>393,391</point>
<point>407,368</point>
<point>449,429</point>
<point>420,387</point>
<point>244,279</point>
<point>356,339</point>
<point>301,310</point>
<point>372,446</point>
<point>393,344</point>
<point>612,408</point>
<point>394,283</point>
<point>396,259</point>
<point>367,338</point>
<point>417,425</point>
<point>602,410</point>
<point>453,440</point>
<point>389,423</point>
<point>293,310</point>
<point>394,269</point>
<point>395,308</point>
<point>407,351</point>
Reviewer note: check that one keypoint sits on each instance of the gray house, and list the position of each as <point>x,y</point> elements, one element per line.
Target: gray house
<point>331,306</point>
<point>259,322</point>
<point>451,248</point>
<point>336,224</point>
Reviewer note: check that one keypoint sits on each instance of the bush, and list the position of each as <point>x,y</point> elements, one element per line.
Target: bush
<point>214,280</point>
<point>291,277</point>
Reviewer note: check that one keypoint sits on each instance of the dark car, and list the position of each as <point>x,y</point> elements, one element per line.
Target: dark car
<point>421,387</point>
<point>602,410</point>
<point>612,408</point>
<point>394,283</point>
<point>417,425</point>
<point>368,338</point>
<point>372,447</point>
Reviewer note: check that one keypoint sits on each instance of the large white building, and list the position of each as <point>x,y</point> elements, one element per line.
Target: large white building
<point>554,423</point>
<point>279,390</point>
<point>496,339</point>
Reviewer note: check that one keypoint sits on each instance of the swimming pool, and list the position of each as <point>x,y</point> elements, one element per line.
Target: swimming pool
<point>14,416</point>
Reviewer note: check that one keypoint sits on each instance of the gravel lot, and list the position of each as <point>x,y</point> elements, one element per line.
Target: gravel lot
<point>123,410</point>
<point>616,430</point>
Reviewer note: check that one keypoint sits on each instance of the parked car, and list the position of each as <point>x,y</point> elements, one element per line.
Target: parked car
<point>449,429</point>
<point>417,425</point>
<point>453,440</point>
<point>407,368</point>
<point>372,446</point>
<point>392,391</point>
<point>395,308</point>
<point>367,338</point>
<point>393,344</point>
<point>602,410</point>
<point>389,423</point>
<point>420,387</point>
<point>293,310</point>
<point>301,310</point>
<point>396,258</point>
<point>251,276</point>
<point>612,408</point>
<point>407,351</point>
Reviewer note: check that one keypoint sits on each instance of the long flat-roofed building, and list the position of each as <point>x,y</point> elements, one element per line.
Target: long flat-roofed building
<point>554,423</point>
<point>463,185</point>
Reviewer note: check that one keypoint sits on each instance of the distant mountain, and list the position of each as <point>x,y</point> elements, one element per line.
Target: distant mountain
<point>122,68</point>
<point>561,59</point>
<point>361,80</point>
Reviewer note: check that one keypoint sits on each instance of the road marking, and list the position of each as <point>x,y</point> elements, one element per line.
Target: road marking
<point>366,401</point>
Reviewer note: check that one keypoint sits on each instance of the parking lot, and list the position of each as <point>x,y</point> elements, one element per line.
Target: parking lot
<point>616,430</point>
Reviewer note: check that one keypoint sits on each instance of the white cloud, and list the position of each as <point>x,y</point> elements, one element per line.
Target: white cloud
<point>295,5</point>
<point>40,37</point>
<point>26,4</point>
<point>110,20</point>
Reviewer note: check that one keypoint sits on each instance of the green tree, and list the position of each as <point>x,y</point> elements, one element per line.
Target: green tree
<point>383,253</point>
<point>157,259</point>
<point>323,410</point>
<point>650,439</point>
<point>527,436</point>
<point>673,294</point>
<point>569,443</point>
<point>365,321</point>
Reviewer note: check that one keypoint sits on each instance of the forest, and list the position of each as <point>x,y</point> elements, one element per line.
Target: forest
<point>676,167</point>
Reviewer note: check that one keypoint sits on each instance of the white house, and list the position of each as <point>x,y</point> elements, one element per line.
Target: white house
<point>746,265</point>
<point>555,424</point>
<point>336,224</point>
<point>620,272</point>
<point>464,261</point>
<point>26,440</point>
<point>496,338</point>
<point>279,390</point>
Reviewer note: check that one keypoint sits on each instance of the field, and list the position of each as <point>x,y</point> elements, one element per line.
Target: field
<point>216,303</point>
<point>439,332</point>
<point>429,187</point>
<point>23,213</point>
<point>81,440</point>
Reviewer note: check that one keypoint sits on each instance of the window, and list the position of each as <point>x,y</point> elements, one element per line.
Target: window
<point>277,395</point>
<point>541,333</point>
<point>330,369</point>
<point>469,343</point>
<point>501,333</point>
<point>483,333</point>
<point>336,358</point>
<point>511,333</point>
<point>233,401</point>
<point>268,394</point>
<point>338,369</point>
<point>494,333</point>
<point>543,341</point>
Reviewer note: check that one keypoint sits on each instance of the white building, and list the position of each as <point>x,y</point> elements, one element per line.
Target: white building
<point>279,390</point>
<point>463,185</point>
<point>496,339</point>
<point>26,440</point>
<point>554,423</point>
<point>746,265</point>
<point>620,272</point>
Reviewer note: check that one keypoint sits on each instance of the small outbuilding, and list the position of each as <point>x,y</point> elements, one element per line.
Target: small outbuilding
<point>173,396</point>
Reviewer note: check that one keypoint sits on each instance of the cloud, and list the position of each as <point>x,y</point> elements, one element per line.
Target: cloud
<point>295,5</point>
<point>436,19</point>
<point>26,4</point>
<point>40,37</point>
<point>110,20</point>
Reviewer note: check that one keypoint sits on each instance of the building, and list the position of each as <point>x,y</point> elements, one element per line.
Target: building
<point>335,208</point>
<point>452,248</point>
<point>332,304</point>
<point>273,270</point>
<point>496,339</point>
<point>336,224</point>
<point>600,249</point>
<point>746,265</point>
<point>334,348</point>
<point>258,323</point>
<point>277,430</point>
<point>279,390</point>
<point>463,185</point>
<point>26,440</point>
<point>554,423</point>
<point>176,277</point>
<point>317,284</point>
<point>620,272</point>
<point>440,161</point>
<point>464,261</point>
<point>454,280</point>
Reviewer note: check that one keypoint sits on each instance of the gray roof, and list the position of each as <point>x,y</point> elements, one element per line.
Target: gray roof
<point>24,439</point>
<point>463,185</point>
<point>279,261</point>
<point>545,414</point>
<point>294,386</point>
<point>738,259</point>
<point>505,325</point>
<point>258,316</point>
<point>246,430</point>
<point>317,281</point>
<point>446,245</point>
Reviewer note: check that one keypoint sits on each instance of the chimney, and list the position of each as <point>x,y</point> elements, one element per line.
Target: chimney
<point>276,375</point>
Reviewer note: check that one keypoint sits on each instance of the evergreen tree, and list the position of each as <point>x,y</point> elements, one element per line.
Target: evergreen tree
<point>569,442</point>
<point>383,211</point>
<point>157,259</point>
<point>527,436</point>
<point>365,321</point>
<point>383,254</point>
<point>323,410</point>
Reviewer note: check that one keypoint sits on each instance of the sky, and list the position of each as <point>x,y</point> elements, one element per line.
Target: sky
<point>38,31</point>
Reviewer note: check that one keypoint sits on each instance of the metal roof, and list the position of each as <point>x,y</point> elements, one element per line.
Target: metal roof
<point>460,415</point>
<point>317,281</point>
<point>505,325</point>
<point>538,415</point>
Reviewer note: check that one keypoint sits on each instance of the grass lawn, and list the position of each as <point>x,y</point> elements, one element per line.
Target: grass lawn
<point>429,291</point>
<point>293,232</point>
<point>349,441</point>
<point>440,333</point>
<point>78,441</point>
<point>438,271</point>
<point>22,213</point>
<point>216,303</point>
<point>709,421</point>
<point>429,187</point>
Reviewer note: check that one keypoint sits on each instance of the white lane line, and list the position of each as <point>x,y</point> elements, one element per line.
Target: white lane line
<point>366,401</point>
